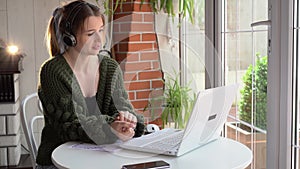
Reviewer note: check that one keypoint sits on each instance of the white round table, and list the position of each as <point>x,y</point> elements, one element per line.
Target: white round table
<point>223,153</point>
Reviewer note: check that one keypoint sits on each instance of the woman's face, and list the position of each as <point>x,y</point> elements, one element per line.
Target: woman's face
<point>90,37</point>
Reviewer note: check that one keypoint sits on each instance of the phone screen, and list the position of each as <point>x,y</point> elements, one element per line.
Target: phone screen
<point>147,165</point>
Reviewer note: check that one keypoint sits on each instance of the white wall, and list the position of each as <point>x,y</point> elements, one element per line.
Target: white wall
<point>23,23</point>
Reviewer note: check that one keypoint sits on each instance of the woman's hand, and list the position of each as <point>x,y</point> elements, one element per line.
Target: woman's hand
<point>122,129</point>
<point>124,125</point>
<point>127,117</point>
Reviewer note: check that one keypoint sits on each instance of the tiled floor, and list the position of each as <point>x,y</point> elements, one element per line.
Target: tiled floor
<point>25,163</point>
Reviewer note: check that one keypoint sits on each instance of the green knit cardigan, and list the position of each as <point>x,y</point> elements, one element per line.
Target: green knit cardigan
<point>65,110</point>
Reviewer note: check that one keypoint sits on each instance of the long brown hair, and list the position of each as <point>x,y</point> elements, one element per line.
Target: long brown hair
<point>73,13</point>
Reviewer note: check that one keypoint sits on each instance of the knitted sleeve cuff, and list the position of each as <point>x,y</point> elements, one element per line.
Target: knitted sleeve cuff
<point>140,127</point>
<point>111,137</point>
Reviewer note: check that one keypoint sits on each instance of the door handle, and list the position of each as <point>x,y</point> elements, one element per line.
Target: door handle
<point>260,23</point>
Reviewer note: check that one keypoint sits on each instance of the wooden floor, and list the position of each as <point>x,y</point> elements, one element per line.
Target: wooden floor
<point>25,163</point>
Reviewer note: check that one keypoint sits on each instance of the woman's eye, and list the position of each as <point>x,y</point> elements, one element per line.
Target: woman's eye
<point>91,34</point>
<point>101,30</point>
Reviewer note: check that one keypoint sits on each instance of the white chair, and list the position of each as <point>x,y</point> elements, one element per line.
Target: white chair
<point>27,125</point>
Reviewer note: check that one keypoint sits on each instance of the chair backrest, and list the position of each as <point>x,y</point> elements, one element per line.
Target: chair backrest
<point>27,125</point>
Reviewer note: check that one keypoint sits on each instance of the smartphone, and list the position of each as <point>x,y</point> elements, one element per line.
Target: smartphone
<point>147,165</point>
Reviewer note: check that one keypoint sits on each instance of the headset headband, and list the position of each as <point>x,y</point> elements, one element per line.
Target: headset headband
<point>70,19</point>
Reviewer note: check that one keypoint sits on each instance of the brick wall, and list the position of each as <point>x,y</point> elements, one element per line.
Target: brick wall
<point>10,140</point>
<point>136,49</point>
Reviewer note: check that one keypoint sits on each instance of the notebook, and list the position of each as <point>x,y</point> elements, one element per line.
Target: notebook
<point>205,125</point>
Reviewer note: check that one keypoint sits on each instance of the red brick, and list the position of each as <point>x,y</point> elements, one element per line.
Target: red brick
<point>148,18</point>
<point>155,46</point>
<point>120,57</point>
<point>133,47</point>
<point>142,8</point>
<point>125,8</point>
<point>137,17</point>
<point>142,94</point>
<point>139,104</point>
<point>137,85</point>
<point>136,27</point>
<point>123,47</point>
<point>131,95</point>
<point>155,65</point>
<point>122,17</point>
<point>156,92</point>
<point>130,77</point>
<point>142,27</point>
<point>151,117</point>
<point>118,10</point>
<point>127,57</point>
<point>148,37</point>
<point>125,27</point>
<point>118,37</point>
<point>157,121</point>
<point>128,17</point>
<point>144,1</point>
<point>139,66</point>
<point>136,7</point>
<point>157,84</point>
<point>132,38</point>
<point>132,57</point>
<point>116,27</point>
<point>126,37</point>
<point>149,75</point>
<point>149,56</point>
<point>145,112</point>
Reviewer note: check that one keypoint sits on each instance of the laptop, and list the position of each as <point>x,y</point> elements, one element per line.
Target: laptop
<point>205,125</point>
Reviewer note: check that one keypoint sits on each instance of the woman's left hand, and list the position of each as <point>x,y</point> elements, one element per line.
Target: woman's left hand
<point>122,130</point>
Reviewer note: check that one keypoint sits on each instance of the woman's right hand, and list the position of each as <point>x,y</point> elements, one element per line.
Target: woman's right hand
<point>122,129</point>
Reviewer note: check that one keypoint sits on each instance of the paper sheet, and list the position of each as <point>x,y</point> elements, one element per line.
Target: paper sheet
<point>105,147</point>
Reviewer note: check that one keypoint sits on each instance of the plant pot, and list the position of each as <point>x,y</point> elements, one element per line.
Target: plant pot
<point>255,141</point>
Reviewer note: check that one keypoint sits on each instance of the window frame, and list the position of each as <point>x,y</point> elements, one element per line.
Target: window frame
<point>280,88</point>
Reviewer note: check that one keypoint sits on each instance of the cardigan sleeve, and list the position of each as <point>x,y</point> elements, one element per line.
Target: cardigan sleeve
<point>122,103</point>
<point>68,114</point>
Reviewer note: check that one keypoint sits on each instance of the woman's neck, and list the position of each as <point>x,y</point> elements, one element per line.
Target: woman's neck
<point>86,70</point>
<point>77,61</point>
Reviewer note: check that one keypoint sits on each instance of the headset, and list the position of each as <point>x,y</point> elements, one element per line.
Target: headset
<point>68,37</point>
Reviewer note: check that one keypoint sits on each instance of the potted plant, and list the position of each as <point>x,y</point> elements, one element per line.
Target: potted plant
<point>174,105</point>
<point>256,76</point>
<point>178,103</point>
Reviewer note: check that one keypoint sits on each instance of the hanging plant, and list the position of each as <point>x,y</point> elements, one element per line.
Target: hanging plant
<point>185,7</point>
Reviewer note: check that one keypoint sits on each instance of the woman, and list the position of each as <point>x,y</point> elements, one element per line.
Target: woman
<point>82,92</point>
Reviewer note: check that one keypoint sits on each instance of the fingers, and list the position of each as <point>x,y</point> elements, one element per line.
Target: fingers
<point>128,117</point>
<point>122,130</point>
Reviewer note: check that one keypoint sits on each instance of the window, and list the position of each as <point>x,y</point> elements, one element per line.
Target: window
<point>244,50</point>
<point>242,46</point>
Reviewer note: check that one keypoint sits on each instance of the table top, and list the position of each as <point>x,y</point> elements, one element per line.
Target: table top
<point>223,153</point>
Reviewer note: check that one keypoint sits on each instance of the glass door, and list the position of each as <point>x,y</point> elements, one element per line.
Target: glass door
<point>245,53</point>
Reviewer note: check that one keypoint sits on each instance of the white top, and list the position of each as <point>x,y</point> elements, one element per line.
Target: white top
<point>223,153</point>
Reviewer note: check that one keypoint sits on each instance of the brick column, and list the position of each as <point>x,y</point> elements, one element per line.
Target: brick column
<point>10,141</point>
<point>136,49</point>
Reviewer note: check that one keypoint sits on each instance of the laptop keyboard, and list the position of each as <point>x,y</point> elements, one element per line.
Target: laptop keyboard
<point>166,140</point>
<point>167,143</point>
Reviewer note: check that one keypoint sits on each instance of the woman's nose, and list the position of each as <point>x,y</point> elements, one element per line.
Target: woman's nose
<point>97,36</point>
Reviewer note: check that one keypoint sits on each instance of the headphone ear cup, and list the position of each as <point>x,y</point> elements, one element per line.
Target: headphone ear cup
<point>69,39</point>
